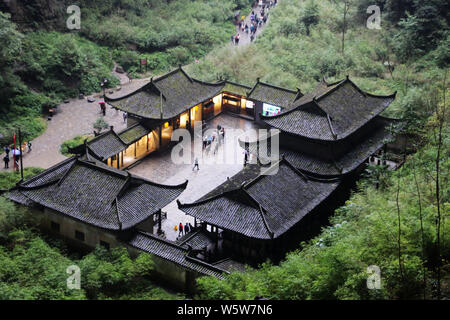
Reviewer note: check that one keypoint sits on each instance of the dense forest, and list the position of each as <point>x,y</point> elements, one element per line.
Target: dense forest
<point>397,221</point>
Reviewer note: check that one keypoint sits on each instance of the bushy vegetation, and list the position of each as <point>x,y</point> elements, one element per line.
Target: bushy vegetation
<point>72,143</point>
<point>39,70</point>
<point>167,33</point>
<point>33,266</point>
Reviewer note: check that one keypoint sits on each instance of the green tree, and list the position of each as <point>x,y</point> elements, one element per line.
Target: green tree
<point>310,15</point>
<point>100,124</point>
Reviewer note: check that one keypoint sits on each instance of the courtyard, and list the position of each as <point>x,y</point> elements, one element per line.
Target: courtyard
<point>214,168</point>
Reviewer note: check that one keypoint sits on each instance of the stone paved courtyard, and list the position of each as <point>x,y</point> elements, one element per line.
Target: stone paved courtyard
<point>160,168</point>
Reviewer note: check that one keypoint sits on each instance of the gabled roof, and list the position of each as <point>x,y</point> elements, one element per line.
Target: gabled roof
<point>331,112</point>
<point>273,95</point>
<point>106,145</point>
<point>133,133</point>
<point>347,163</point>
<point>236,88</point>
<point>167,96</point>
<point>95,194</point>
<point>173,252</point>
<point>264,207</point>
<point>111,143</point>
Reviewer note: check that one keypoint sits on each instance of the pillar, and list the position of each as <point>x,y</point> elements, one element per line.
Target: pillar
<point>159,221</point>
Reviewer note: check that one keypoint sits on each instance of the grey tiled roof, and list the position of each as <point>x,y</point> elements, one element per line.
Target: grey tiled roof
<point>173,252</point>
<point>236,88</point>
<point>274,95</point>
<point>197,240</point>
<point>94,194</point>
<point>177,91</point>
<point>106,145</point>
<point>133,133</point>
<point>330,112</point>
<point>303,122</point>
<point>265,207</point>
<point>345,164</point>
<point>230,265</point>
<point>350,108</point>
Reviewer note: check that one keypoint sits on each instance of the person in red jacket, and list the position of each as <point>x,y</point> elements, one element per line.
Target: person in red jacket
<point>180,227</point>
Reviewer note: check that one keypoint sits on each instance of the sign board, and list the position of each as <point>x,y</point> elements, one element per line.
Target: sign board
<point>143,62</point>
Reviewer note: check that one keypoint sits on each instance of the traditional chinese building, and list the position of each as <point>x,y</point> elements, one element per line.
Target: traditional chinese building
<point>326,137</point>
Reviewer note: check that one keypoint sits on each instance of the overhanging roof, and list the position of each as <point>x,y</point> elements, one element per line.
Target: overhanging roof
<point>331,112</point>
<point>95,194</point>
<point>264,207</point>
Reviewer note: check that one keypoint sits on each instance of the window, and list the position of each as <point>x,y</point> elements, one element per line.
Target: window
<point>54,226</point>
<point>79,235</point>
<point>104,244</point>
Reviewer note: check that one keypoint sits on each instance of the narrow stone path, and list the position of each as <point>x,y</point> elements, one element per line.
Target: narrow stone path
<point>245,37</point>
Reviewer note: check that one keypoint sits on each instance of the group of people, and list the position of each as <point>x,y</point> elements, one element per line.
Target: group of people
<point>183,229</point>
<point>216,138</point>
<point>218,135</point>
<point>255,22</point>
<point>16,154</point>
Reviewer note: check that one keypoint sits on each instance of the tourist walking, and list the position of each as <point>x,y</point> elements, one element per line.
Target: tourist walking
<point>180,228</point>
<point>125,116</point>
<point>186,228</point>
<point>245,157</point>
<point>6,161</point>
<point>103,107</point>
<point>236,40</point>
<point>196,165</point>
<point>7,150</point>
<point>29,145</point>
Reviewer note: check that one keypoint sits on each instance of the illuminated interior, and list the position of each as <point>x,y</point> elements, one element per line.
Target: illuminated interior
<point>184,118</point>
<point>196,114</point>
<point>137,150</point>
<point>217,104</point>
<point>166,133</point>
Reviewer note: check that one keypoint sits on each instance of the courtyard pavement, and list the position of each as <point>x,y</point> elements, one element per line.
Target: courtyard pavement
<point>72,119</point>
<point>214,169</point>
